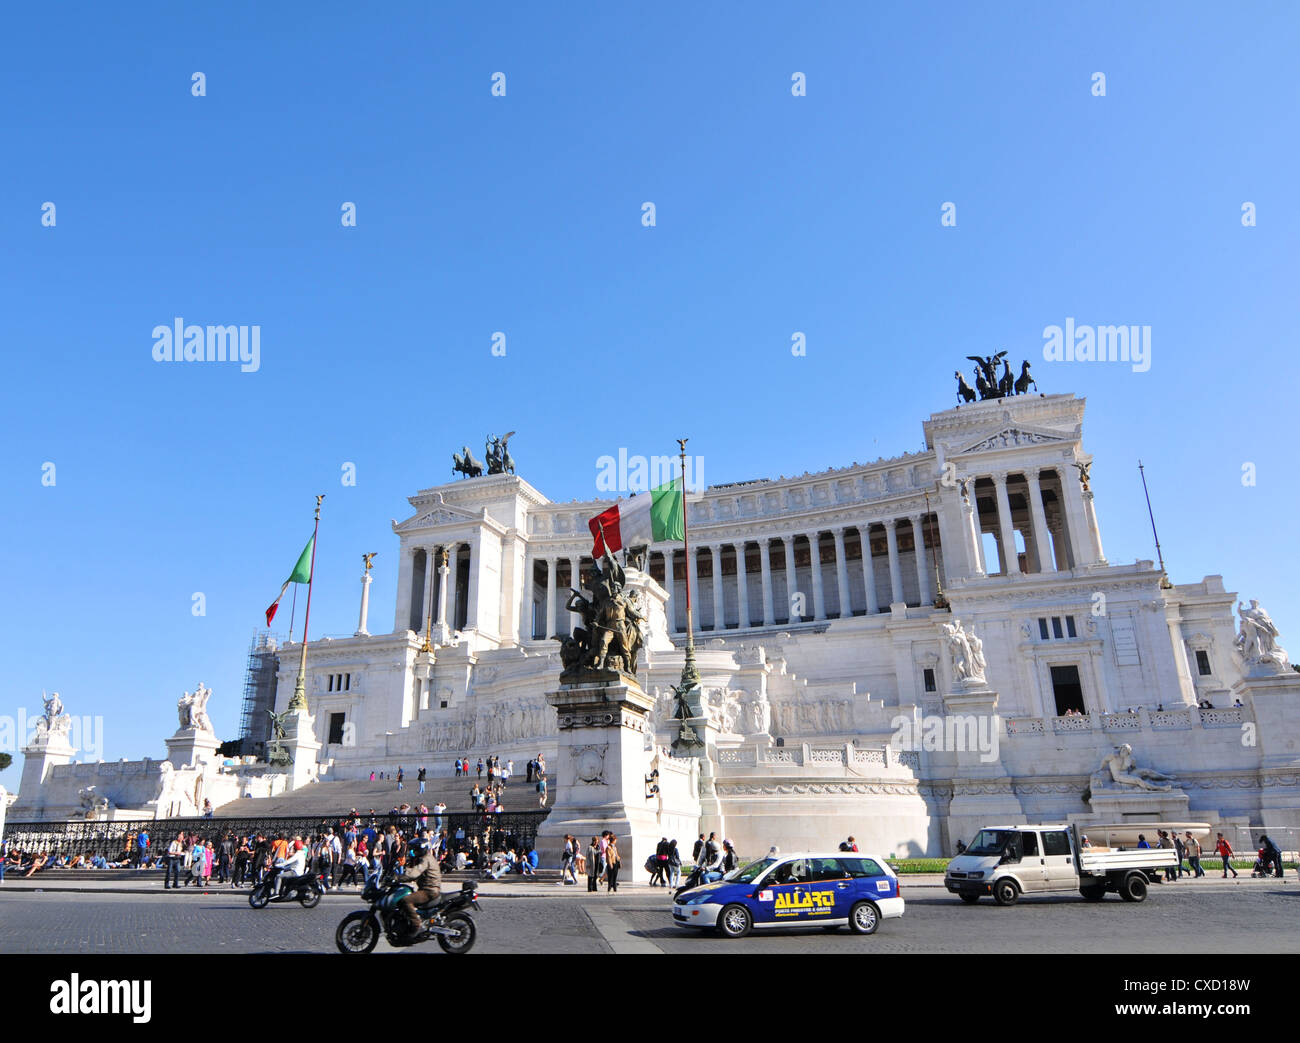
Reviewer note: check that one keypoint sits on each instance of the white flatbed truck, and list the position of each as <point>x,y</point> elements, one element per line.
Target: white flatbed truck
<point>1006,862</point>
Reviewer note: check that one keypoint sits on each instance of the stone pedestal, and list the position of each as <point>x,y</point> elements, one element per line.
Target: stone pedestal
<point>1135,805</point>
<point>972,757</point>
<point>599,778</point>
<point>192,747</point>
<point>1273,697</point>
<point>300,741</point>
<point>48,749</point>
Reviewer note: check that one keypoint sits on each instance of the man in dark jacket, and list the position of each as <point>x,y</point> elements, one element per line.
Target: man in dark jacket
<point>422,869</point>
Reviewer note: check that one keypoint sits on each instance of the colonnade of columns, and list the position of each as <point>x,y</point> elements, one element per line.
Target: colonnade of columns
<point>436,598</point>
<point>1069,539</point>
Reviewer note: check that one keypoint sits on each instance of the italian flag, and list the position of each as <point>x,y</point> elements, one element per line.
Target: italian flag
<point>649,517</point>
<point>301,574</point>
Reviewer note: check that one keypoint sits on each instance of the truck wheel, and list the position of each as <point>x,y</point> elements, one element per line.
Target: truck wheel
<point>734,921</point>
<point>1133,888</point>
<point>969,899</point>
<point>1005,892</point>
<point>1093,892</point>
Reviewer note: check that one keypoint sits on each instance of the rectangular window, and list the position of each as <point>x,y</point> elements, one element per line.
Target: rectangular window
<point>1203,663</point>
<point>929,680</point>
<point>1056,627</point>
<point>1042,628</point>
<point>336,727</point>
<point>1067,690</point>
<point>1056,842</point>
<point>1069,626</point>
<point>860,867</point>
<point>1028,844</point>
<point>329,683</point>
<point>347,682</point>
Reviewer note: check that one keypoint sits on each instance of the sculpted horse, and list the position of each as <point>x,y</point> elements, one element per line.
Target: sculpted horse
<point>1025,380</point>
<point>466,464</point>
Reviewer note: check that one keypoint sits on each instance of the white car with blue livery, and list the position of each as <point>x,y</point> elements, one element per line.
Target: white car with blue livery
<point>839,889</point>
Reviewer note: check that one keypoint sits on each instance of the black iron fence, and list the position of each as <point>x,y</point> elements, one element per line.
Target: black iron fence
<point>116,841</point>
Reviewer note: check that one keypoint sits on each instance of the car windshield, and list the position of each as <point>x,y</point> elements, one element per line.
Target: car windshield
<point>748,874</point>
<point>990,842</point>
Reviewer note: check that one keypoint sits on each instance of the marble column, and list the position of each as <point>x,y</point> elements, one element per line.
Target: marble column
<point>791,579</point>
<point>842,574</point>
<point>1094,529</point>
<point>430,570</point>
<point>719,606</point>
<point>971,521</point>
<point>365,605</point>
<point>765,564</point>
<point>922,562</point>
<point>551,563</point>
<point>444,572</point>
<point>815,564</point>
<point>526,600</point>
<point>1082,549</point>
<point>742,588</point>
<point>868,570</point>
<point>471,591</point>
<point>1038,521</point>
<point>575,572</point>
<point>1007,543</point>
<point>895,570</point>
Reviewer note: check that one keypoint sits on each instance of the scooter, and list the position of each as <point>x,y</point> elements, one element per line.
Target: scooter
<point>305,889</point>
<point>446,918</point>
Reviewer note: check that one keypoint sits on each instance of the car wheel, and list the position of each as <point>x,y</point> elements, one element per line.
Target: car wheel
<point>1093,892</point>
<point>1005,892</point>
<point>1134,888</point>
<point>969,899</point>
<point>357,934</point>
<point>735,921</point>
<point>463,940</point>
<point>864,918</point>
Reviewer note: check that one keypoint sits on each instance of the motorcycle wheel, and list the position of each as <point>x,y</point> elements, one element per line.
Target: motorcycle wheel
<point>463,940</point>
<point>309,897</point>
<point>259,896</point>
<point>357,934</point>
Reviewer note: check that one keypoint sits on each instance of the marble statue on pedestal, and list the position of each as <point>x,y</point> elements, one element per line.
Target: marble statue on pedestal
<point>610,636</point>
<point>192,709</point>
<point>53,721</point>
<point>1257,639</point>
<point>966,655</point>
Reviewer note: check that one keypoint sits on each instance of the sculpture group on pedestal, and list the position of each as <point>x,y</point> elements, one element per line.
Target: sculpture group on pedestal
<point>988,384</point>
<point>53,721</point>
<point>1257,639</point>
<point>610,636</point>
<point>965,654</point>
<point>192,709</point>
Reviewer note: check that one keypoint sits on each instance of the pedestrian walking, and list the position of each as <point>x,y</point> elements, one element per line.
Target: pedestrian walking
<point>480,767</point>
<point>421,777</point>
<point>593,864</point>
<point>457,767</point>
<point>613,861</point>
<point>674,864</point>
<point>175,858</point>
<point>1193,848</point>
<point>1224,850</point>
<point>400,775</point>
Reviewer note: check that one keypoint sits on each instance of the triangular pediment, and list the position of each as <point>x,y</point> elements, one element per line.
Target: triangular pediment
<point>438,513</point>
<point>1010,438</point>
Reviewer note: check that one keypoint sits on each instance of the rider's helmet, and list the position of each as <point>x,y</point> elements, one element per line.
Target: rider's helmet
<point>416,849</point>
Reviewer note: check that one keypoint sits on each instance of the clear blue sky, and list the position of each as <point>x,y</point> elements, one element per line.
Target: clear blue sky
<point>522,214</point>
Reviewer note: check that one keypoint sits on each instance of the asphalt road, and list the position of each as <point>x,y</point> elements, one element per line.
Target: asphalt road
<point>1204,916</point>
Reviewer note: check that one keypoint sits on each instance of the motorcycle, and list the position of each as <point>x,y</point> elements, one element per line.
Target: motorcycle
<point>305,889</point>
<point>446,918</point>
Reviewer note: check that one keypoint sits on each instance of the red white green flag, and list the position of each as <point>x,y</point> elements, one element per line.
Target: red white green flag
<point>301,574</point>
<point>649,517</point>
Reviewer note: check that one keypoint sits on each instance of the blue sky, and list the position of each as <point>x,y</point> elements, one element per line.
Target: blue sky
<point>522,214</point>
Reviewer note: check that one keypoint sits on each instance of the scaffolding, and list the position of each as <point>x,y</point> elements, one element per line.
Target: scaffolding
<point>259,694</point>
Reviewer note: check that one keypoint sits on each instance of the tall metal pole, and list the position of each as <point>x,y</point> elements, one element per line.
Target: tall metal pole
<point>1151,515</point>
<point>299,700</point>
<point>690,673</point>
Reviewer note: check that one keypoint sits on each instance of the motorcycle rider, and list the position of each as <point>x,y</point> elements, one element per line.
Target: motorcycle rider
<point>294,865</point>
<point>421,867</point>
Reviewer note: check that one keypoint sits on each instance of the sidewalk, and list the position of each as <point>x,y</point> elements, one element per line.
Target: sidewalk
<point>545,884</point>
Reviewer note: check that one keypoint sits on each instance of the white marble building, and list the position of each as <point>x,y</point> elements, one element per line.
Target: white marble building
<point>817,630</point>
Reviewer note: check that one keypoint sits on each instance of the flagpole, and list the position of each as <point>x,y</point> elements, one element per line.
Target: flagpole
<point>299,700</point>
<point>690,673</point>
